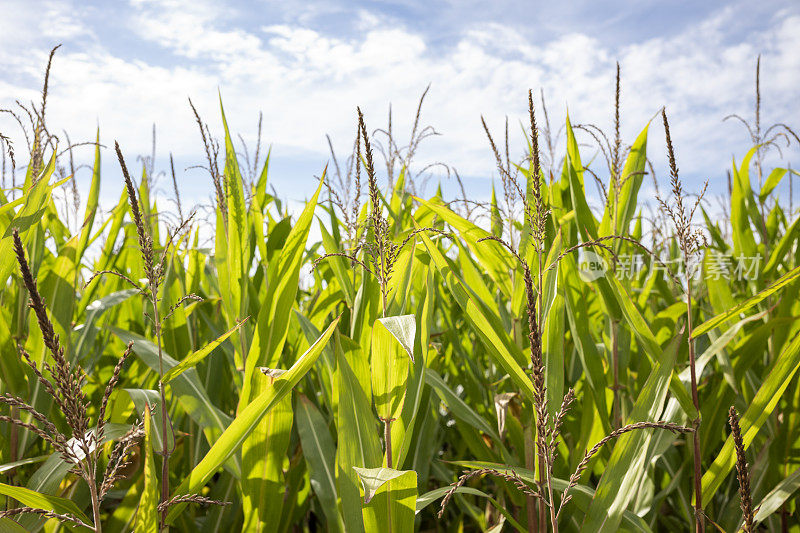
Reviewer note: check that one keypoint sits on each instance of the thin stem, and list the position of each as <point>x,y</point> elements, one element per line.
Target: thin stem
<point>543,468</point>
<point>544,454</point>
<point>615,180</point>
<point>13,442</point>
<point>543,479</point>
<point>98,526</point>
<point>530,499</point>
<point>387,436</point>
<point>165,451</point>
<point>698,488</point>
<point>383,294</point>
<point>690,243</point>
<point>617,416</point>
<point>383,269</point>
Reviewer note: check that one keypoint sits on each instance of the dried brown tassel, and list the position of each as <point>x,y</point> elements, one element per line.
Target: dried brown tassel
<point>513,478</point>
<point>145,241</point>
<point>65,518</point>
<point>70,397</point>
<point>742,472</point>
<point>101,417</point>
<point>576,476</point>
<point>189,498</point>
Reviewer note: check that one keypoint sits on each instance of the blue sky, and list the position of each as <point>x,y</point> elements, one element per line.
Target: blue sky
<point>306,65</point>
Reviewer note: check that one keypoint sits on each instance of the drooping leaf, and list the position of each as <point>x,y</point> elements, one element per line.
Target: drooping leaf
<point>191,360</point>
<point>761,407</point>
<point>390,362</point>
<point>746,304</point>
<point>48,502</point>
<point>777,496</point>
<point>390,499</point>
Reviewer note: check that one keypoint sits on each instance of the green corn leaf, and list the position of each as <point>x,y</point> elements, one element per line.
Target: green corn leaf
<point>191,393</point>
<point>553,350</point>
<point>91,203</point>
<point>247,420</point>
<point>484,322</point>
<point>9,526</point>
<point>48,502</point>
<point>22,462</point>
<point>714,231</point>
<point>494,258</point>
<point>191,360</point>
<point>472,276</point>
<point>237,238</point>
<point>260,190</point>
<point>777,496</point>
<point>429,497</point>
<point>582,495</point>
<point>403,329</point>
<point>616,221</point>
<point>550,275</point>
<point>403,440</point>
<point>9,206</point>
<point>742,204</point>
<point>358,444</point>
<point>266,444</point>
<point>390,499</point>
<point>399,284</point>
<point>36,200</point>
<point>772,181</point>
<point>590,358</point>
<point>320,454</point>
<point>761,407</point>
<point>780,254</point>
<point>273,318</point>
<point>496,219</point>
<point>750,200</point>
<point>147,515</point>
<point>458,407</point>
<point>392,347</point>
<point>587,224</point>
<point>743,306</point>
<point>148,404</point>
<point>263,484</point>
<point>623,473</point>
<point>11,367</point>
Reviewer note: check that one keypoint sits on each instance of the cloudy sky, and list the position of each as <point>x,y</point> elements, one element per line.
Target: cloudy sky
<point>307,64</point>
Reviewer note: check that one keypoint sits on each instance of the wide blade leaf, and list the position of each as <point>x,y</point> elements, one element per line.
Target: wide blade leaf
<point>246,421</point>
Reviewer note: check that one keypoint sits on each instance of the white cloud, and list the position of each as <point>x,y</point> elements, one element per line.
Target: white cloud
<point>308,83</point>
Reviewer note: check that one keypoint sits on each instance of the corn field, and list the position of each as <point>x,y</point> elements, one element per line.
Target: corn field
<point>545,361</point>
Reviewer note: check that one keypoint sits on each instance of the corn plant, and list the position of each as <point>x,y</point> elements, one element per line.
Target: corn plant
<point>548,360</point>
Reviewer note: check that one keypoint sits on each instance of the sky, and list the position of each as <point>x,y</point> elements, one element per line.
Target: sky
<point>126,65</point>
